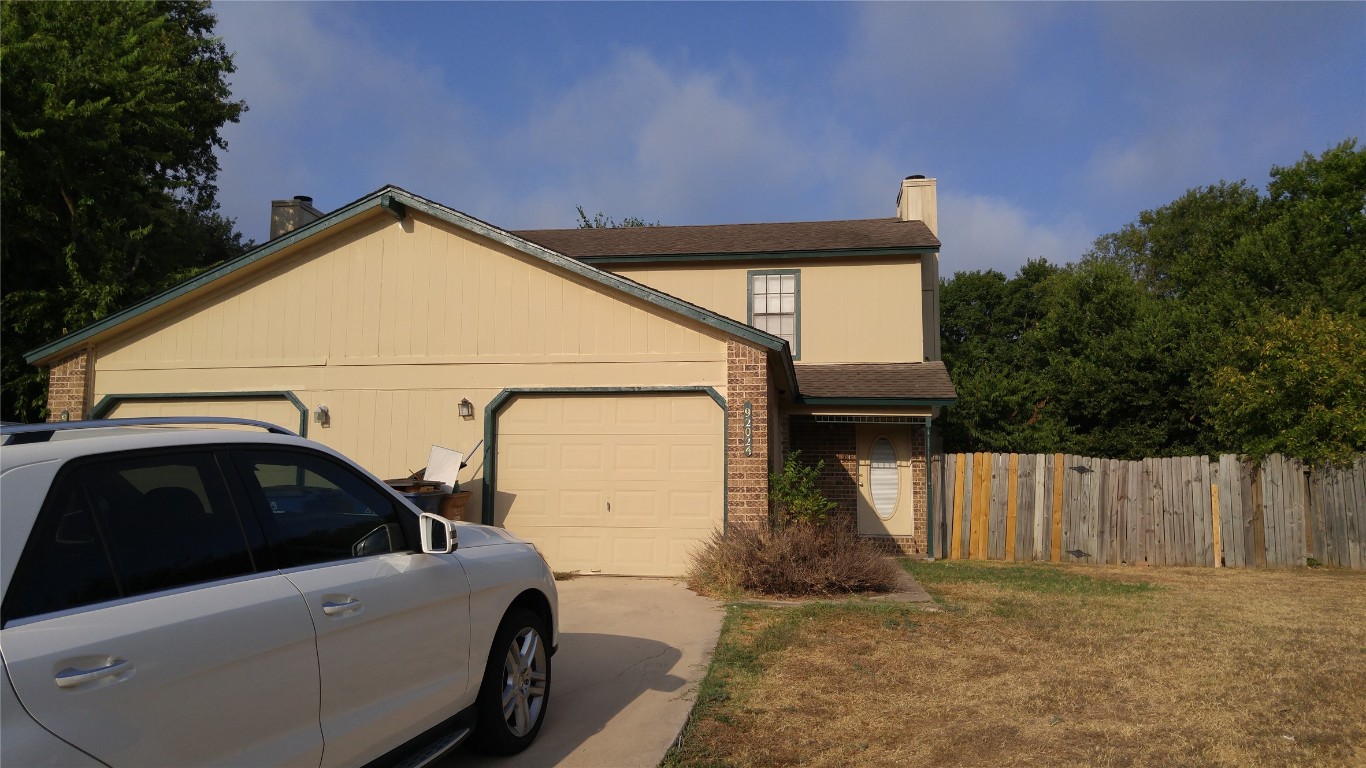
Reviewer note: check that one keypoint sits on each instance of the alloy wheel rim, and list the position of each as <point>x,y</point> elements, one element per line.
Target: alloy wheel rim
<point>524,682</point>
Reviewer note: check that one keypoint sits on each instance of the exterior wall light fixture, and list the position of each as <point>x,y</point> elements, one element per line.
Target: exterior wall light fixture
<point>323,416</point>
<point>466,409</point>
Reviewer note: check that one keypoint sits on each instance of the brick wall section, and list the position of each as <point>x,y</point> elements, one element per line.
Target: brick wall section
<point>68,386</point>
<point>835,445</point>
<point>747,476</point>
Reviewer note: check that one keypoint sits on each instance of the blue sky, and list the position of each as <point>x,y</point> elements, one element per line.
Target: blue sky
<point>1047,124</point>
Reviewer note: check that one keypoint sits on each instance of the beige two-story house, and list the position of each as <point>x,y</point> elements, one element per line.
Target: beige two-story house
<point>632,388</point>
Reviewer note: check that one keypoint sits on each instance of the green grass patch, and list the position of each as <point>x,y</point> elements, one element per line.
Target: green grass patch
<point>1039,578</point>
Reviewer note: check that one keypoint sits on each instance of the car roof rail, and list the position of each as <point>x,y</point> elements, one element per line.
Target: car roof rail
<point>41,433</point>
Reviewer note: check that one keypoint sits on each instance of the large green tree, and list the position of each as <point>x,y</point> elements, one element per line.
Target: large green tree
<point>1225,321</point>
<point>1295,385</point>
<point>110,115</point>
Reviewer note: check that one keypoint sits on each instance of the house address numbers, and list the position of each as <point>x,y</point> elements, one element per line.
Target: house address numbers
<point>749,428</point>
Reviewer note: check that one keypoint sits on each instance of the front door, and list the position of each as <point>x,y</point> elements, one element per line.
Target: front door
<point>887,490</point>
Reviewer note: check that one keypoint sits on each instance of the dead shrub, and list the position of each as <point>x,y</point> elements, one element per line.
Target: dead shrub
<point>793,561</point>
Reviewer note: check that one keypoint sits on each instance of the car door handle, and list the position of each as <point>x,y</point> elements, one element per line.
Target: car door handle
<point>72,676</point>
<point>332,609</point>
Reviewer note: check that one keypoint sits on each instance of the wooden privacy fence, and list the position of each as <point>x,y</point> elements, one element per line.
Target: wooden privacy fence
<point>1175,511</point>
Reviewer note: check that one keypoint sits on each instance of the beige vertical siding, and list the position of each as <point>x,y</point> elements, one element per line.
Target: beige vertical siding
<point>391,324</point>
<point>865,310</point>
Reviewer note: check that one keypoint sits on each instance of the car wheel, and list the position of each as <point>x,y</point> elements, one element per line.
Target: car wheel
<point>516,686</point>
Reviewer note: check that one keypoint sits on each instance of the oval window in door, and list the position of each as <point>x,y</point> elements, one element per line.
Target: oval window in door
<point>884,478</point>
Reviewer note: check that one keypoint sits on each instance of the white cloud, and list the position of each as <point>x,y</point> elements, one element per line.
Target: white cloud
<point>939,55</point>
<point>335,115</point>
<point>331,114</point>
<point>689,146</point>
<point>982,232</point>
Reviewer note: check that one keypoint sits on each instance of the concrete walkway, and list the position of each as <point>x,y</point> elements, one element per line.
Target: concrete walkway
<point>624,680</point>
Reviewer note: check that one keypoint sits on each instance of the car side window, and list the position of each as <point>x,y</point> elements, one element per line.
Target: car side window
<point>65,564</point>
<point>168,521</point>
<point>127,526</point>
<point>318,510</point>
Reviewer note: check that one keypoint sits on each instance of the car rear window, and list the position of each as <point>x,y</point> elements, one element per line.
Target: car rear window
<point>128,526</point>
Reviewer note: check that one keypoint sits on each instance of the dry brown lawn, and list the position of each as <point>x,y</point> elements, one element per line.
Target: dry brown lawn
<point>1048,665</point>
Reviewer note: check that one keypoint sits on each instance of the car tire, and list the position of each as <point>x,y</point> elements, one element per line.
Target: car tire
<point>516,686</point>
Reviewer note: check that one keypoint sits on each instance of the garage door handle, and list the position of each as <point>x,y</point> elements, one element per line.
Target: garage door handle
<point>332,609</point>
<point>72,676</point>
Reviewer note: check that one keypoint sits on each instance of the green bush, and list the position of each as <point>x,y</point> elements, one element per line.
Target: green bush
<point>793,496</point>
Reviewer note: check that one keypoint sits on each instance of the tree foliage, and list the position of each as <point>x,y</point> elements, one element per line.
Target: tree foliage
<point>1295,385</point>
<point>110,116</point>
<point>602,221</point>
<point>1220,322</point>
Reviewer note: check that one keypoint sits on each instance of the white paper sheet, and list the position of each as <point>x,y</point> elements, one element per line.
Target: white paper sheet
<point>443,465</point>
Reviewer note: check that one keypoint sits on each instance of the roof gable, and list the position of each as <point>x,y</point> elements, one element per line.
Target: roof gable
<point>396,201</point>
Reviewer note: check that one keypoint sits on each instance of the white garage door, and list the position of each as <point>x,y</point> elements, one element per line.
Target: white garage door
<point>621,484</point>
<point>275,410</point>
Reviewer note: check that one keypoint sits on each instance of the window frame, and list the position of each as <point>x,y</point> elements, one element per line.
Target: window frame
<point>796,303</point>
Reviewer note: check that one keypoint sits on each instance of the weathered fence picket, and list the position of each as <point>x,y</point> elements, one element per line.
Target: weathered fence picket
<point>1169,511</point>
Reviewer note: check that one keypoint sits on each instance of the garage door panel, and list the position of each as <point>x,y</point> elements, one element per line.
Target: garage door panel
<point>638,550</point>
<point>692,508</point>
<point>695,413</point>
<point>686,459</point>
<point>580,507</point>
<point>574,419</point>
<point>682,551</point>
<point>581,457</point>
<point>531,416</point>
<point>638,411</point>
<point>635,508</point>
<point>534,505</point>
<point>639,475</point>
<point>636,458</point>
<point>533,457</point>
<point>578,551</point>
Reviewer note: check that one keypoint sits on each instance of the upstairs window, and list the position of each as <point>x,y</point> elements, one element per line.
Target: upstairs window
<point>775,305</point>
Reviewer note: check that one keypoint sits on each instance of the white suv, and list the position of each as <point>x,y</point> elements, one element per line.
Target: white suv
<point>178,596</point>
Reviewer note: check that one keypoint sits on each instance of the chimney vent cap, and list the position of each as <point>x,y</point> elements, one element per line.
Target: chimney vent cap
<point>305,199</point>
<point>915,176</point>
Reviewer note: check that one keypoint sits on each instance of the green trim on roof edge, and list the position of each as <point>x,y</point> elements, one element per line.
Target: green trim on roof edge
<point>386,198</point>
<point>842,253</point>
<point>934,401</point>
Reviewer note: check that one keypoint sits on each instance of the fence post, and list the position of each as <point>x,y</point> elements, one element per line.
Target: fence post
<point>1214,507</point>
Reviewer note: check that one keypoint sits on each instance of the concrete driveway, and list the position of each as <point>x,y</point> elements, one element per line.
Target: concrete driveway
<point>631,654</point>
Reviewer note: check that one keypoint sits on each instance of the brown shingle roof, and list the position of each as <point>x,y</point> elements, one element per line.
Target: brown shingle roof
<point>735,238</point>
<point>895,381</point>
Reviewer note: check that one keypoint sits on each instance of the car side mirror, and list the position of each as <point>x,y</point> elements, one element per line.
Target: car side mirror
<point>438,534</point>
